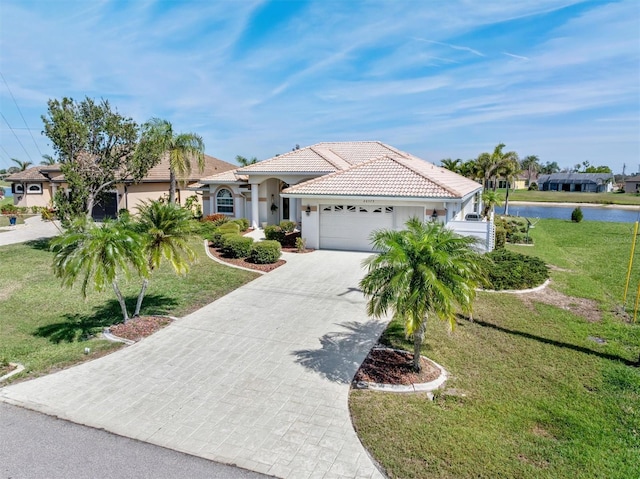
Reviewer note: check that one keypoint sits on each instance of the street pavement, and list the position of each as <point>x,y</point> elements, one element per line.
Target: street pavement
<point>32,229</point>
<point>259,378</point>
<point>37,446</point>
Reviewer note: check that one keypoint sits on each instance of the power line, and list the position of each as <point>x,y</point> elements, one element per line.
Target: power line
<point>18,139</point>
<point>21,115</point>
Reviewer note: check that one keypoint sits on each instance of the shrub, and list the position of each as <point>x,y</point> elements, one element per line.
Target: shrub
<point>226,237</point>
<point>509,270</point>
<point>236,246</point>
<point>216,238</point>
<point>274,233</point>
<point>217,219</point>
<point>206,229</point>
<point>301,244</point>
<point>288,226</point>
<point>243,223</point>
<point>576,215</point>
<point>229,228</point>
<point>533,187</point>
<point>265,252</point>
<point>501,237</point>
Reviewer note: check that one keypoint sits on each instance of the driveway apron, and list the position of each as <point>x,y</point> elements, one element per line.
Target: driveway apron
<point>259,378</point>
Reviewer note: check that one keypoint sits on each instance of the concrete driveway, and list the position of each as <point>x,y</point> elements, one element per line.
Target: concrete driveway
<point>259,378</point>
<point>32,229</point>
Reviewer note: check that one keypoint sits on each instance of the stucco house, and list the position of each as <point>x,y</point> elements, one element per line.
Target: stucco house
<point>632,184</point>
<point>577,182</point>
<point>339,192</point>
<point>36,186</point>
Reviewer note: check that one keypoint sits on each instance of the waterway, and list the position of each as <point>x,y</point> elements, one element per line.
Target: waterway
<point>590,213</point>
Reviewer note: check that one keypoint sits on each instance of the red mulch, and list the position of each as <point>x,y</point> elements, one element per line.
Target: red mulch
<point>137,328</point>
<point>244,263</point>
<point>386,366</point>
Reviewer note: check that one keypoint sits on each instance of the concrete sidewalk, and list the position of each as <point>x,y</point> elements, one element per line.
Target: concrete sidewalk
<point>32,229</point>
<point>259,378</point>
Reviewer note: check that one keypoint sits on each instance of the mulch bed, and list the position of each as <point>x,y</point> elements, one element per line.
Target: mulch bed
<point>386,366</point>
<point>244,263</point>
<point>6,369</point>
<point>137,328</point>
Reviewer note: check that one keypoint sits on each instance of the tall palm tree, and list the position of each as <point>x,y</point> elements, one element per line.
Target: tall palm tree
<point>22,165</point>
<point>181,149</point>
<point>490,163</point>
<point>424,271</point>
<point>509,170</point>
<point>166,229</point>
<point>98,255</point>
<point>531,164</point>
<point>48,160</point>
<point>243,161</point>
<point>452,165</point>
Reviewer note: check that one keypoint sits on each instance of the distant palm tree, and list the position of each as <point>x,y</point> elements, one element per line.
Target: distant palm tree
<point>425,270</point>
<point>182,149</point>
<point>531,164</point>
<point>22,165</point>
<point>98,254</point>
<point>452,165</point>
<point>166,229</point>
<point>48,160</point>
<point>509,171</point>
<point>242,161</point>
<point>489,164</point>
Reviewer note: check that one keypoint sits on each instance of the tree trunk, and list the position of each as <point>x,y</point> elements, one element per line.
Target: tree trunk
<point>172,186</point>
<point>143,290</point>
<point>418,338</point>
<point>91,201</point>
<point>506,201</point>
<point>123,306</point>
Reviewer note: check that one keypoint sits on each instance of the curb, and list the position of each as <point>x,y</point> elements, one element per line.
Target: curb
<point>206,250</point>
<point>517,291</point>
<point>18,369</point>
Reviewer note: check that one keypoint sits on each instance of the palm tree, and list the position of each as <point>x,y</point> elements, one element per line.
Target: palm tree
<point>242,161</point>
<point>22,165</point>
<point>425,270</point>
<point>166,229</point>
<point>531,164</point>
<point>48,160</point>
<point>509,171</point>
<point>452,165</point>
<point>490,163</point>
<point>490,199</point>
<point>182,149</point>
<point>98,255</point>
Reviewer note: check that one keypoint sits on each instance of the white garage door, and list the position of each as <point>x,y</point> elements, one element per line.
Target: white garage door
<point>348,227</point>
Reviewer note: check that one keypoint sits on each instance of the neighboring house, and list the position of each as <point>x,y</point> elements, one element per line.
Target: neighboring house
<point>36,186</point>
<point>632,184</point>
<point>338,193</point>
<point>520,182</point>
<point>578,182</point>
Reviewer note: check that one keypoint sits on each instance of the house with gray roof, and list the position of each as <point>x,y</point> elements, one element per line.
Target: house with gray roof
<point>577,182</point>
<point>340,192</point>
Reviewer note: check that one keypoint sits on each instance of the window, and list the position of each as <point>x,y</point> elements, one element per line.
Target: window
<point>18,188</point>
<point>351,208</point>
<point>326,208</point>
<point>338,208</point>
<point>362,210</point>
<point>388,209</point>
<point>34,188</point>
<point>224,202</point>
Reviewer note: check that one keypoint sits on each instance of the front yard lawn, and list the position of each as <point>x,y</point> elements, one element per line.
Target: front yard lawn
<point>532,394</point>
<point>46,326</point>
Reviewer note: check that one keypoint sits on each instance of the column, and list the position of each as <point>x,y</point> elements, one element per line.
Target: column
<point>293,209</point>
<point>255,202</point>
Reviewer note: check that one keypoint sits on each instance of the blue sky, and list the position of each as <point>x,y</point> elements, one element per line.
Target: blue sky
<point>439,79</point>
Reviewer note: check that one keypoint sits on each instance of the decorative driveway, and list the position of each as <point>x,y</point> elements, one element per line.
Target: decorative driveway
<point>259,378</point>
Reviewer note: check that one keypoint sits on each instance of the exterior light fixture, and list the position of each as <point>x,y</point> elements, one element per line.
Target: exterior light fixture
<point>308,210</point>
<point>434,215</point>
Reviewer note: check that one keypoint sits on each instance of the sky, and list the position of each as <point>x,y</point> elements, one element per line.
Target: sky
<point>438,79</point>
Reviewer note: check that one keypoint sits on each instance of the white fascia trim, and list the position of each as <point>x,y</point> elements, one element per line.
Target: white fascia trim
<point>412,199</point>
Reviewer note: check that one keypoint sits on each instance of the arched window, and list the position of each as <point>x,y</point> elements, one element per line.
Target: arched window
<point>224,202</point>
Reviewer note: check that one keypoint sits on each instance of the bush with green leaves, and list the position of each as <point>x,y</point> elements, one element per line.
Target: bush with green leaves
<point>226,237</point>
<point>533,187</point>
<point>509,270</point>
<point>265,252</point>
<point>217,219</point>
<point>229,228</point>
<point>288,226</point>
<point>515,229</point>
<point>236,246</point>
<point>501,237</point>
<point>243,223</point>
<point>274,233</point>
<point>576,215</point>
<point>206,229</point>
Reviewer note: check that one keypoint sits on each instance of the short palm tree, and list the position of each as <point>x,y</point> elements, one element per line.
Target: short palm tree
<point>425,270</point>
<point>48,160</point>
<point>22,165</point>
<point>182,149</point>
<point>490,199</point>
<point>165,229</point>
<point>98,254</point>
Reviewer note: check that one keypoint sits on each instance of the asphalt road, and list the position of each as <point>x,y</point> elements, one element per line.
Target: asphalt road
<point>34,446</point>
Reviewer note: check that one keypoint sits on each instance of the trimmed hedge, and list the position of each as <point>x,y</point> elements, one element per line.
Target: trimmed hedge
<point>218,219</point>
<point>243,223</point>
<point>274,233</point>
<point>509,270</point>
<point>265,252</point>
<point>226,237</point>
<point>229,228</point>
<point>577,215</point>
<point>236,246</point>
<point>288,226</point>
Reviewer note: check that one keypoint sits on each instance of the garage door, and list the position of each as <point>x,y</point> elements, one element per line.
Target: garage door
<point>348,227</point>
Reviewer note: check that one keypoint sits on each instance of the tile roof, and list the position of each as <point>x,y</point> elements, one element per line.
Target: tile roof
<point>393,175</point>
<point>325,157</point>
<point>230,176</point>
<point>30,174</point>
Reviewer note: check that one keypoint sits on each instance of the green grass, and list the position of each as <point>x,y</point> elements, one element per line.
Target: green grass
<point>44,325</point>
<point>542,400</point>
<point>568,197</point>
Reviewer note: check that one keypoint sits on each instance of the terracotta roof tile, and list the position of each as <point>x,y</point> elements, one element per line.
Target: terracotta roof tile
<point>30,174</point>
<point>230,176</point>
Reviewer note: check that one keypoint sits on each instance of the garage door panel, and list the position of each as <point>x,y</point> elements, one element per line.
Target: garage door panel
<point>349,227</point>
